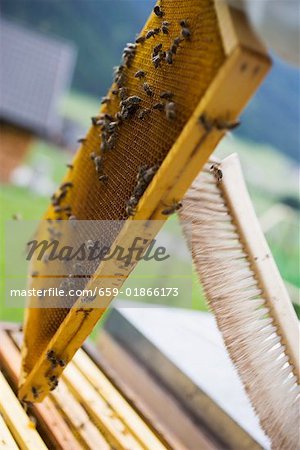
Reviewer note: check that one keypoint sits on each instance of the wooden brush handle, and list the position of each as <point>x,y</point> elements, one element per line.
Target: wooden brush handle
<point>263,264</point>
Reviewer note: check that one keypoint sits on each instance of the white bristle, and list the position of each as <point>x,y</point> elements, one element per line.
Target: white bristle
<point>242,310</point>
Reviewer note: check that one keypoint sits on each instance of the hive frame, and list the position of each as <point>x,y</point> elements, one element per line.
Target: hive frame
<point>245,66</point>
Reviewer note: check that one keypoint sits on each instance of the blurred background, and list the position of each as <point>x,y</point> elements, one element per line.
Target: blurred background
<point>56,64</point>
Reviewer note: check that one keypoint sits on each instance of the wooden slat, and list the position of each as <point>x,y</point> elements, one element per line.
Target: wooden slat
<point>80,422</point>
<point>109,411</point>
<point>106,389</point>
<point>48,416</point>
<point>7,442</point>
<point>74,413</point>
<point>156,404</point>
<point>17,420</point>
<point>102,414</point>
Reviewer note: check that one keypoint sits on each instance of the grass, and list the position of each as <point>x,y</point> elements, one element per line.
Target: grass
<point>268,175</point>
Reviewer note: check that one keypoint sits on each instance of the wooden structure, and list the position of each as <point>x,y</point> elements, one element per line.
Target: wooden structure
<point>213,76</point>
<point>85,412</point>
<point>95,406</point>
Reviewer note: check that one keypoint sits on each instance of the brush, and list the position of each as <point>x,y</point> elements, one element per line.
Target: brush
<point>245,291</point>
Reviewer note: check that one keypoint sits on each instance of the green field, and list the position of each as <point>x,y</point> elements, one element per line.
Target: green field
<point>269,176</point>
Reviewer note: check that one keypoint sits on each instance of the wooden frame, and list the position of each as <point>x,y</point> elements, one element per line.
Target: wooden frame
<point>245,66</point>
<point>94,416</point>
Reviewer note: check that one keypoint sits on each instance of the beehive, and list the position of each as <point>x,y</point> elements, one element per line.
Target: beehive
<point>217,66</point>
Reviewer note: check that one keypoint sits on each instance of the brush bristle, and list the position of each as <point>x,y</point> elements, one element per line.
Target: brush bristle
<point>243,317</point>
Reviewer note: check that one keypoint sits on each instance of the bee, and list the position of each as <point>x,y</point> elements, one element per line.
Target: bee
<point>156,60</point>
<point>35,392</point>
<point>185,31</point>
<point>158,11</point>
<point>131,206</point>
<point>89,299</point>
<point>220,124</point>
<point>165,27</point>
<point>175,45</point>
<point>111,126</point>
<point>143,113</point>
<point>123,93</point>
<point>105,100</point>
<point>119,75</point>
<point>133,100</point>
<point>148,174</point>
<point>50,354</point>
<point>78,268</point>
<point>81,140</point>
<point>130,46</point>
<point>169,57</point>
<point>34,274</point>
<point>53,378</point>
<point>167,95</point>
<point>172,208</point>
<point>140,74</point>
<point>95,120</point>
<point>98,161</point>
<point>183,23</point>
<point>130,210</point>
<point>140,40</point>
<point>148,90</point>
<point>170,111</point>
<point>103,178</point>
<point>128,54</point>
<point>157,49</point>
<point>140,173</point>
<point>118,69</point>
<point>120,80</point>
<point>66,185</point>
<point>51,357</point>
<point>70,166</point>
<point>215,169</point>
<point>206,122</point>
<point>159,106</point>
<point>111,142</point>
<point>224,125</point>
<point>115,92</point>
<point>150,33</point>
<point>108,117</point>
<point>89,244</point>
<point>53,382</point>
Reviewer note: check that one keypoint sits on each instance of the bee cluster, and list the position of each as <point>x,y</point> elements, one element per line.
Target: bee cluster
<point>52,379</point>
<point>55,360</point>
<point>144,176</point>
<point>57,199</point>
<point>131,106</point>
